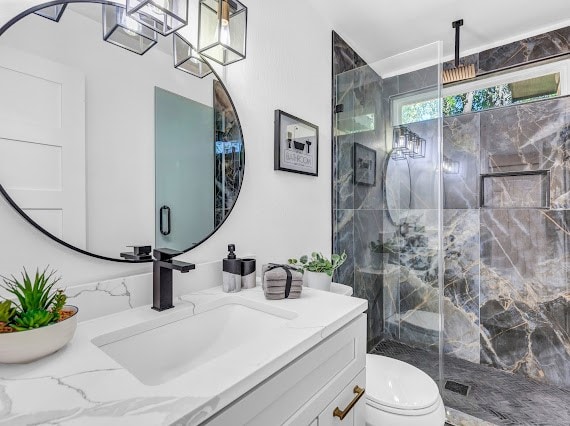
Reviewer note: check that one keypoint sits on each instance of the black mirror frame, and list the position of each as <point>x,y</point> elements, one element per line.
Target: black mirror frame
<point>385,186</point>
<point>11,201</point>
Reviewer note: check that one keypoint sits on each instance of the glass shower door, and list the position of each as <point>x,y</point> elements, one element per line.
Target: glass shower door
<point>387,199</point>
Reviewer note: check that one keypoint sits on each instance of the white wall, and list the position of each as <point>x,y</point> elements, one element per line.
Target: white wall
<point>278,214</point>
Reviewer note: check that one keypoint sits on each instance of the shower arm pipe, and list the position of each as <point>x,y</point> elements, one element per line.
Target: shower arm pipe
<point>457,25</point>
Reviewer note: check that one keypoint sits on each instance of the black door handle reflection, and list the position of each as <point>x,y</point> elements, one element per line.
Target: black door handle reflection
<point>163,210</point>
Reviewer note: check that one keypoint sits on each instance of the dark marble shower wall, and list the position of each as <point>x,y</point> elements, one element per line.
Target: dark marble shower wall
<point>506,280</point>
<point>357,208</point>
<point>525,252</point>
<point>507,266</point>
<point>543,46</point>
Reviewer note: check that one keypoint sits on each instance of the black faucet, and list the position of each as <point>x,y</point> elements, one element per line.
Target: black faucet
<point>162,267</point>
<point>139,254</point>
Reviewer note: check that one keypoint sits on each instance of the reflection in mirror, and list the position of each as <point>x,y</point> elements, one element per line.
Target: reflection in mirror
<point>397,187</point>
<point>83,124</point>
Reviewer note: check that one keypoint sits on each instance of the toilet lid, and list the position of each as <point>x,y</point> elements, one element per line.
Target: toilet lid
<point>396,384</point>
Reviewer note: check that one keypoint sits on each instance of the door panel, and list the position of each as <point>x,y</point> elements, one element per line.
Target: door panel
<point>42,142</point>
<point>184,161</point>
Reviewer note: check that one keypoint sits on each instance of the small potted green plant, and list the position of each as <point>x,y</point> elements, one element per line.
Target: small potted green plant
<point>318,269</point>
<point>37,322</point>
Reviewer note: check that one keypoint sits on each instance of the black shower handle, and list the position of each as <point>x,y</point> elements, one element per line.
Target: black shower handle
<point>167,210</point>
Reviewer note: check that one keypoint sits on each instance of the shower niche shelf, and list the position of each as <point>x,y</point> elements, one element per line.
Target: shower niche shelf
<point>522,189</point>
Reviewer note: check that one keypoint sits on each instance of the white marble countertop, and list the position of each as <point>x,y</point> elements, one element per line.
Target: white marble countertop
<point>81,385</point>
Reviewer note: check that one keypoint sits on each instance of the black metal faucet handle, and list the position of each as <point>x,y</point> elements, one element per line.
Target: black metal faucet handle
<point>183,267</point>
<point>165,253</point>
<point>141,250</point>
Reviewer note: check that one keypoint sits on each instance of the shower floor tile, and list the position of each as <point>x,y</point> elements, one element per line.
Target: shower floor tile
<point>495,396</point>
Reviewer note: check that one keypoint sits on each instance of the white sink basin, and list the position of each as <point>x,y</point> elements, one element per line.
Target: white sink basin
<point>160,350</point>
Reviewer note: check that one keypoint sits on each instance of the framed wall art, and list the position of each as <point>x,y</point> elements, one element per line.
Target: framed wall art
<point>296,145</point>
<point>364,165</point>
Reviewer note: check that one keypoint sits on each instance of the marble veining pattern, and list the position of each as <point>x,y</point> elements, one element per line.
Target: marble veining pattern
<point>357,211</point>
<point>461,284</point>
<point>424,171</point>
<point>110,296</point>
<point>461,144</point>
<point>531,136</point>
<point>524,303</point>
<point>542,46</point>
<point>343,186</point>
<point>81,385</point>
<point>344,223</point>
<point>506,281</point>
<point>368,225</point>
<point>116,295</point>
<point>74,405</point>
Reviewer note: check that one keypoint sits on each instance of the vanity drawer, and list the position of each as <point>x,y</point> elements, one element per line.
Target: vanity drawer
<point>298,393</point>
<point>350,404</point>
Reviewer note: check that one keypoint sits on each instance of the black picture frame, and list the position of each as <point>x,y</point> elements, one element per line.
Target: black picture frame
<point>290,154</point>
<point>364,165</point>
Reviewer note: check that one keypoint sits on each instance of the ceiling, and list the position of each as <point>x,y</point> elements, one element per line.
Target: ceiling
<point>377,29</point>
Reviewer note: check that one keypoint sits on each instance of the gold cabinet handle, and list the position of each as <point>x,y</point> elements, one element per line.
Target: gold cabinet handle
<point>341,414</point>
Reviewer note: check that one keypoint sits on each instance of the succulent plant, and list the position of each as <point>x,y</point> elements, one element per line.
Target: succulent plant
<point>58,303</point>
<point>7,312</point>
<point>35,318</point>
<point>33,295</point>
<point>36,302</point>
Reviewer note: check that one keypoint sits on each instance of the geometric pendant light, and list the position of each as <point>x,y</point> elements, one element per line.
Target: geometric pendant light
<point>222,30</point>
<point>123,31</point>
<point>417,147</point>
<point>53,13</point>
<point>162,16</point>
<point>187,59</point>
<point>406,143</point>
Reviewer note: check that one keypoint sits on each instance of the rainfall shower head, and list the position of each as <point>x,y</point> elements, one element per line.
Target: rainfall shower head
<point>458,73</point>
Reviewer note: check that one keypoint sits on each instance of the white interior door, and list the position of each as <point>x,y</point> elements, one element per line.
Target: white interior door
<point>42,142</point>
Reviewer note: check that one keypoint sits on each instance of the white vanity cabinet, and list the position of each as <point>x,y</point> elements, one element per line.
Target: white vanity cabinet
<point>349,405</point>
<point>328,377</point>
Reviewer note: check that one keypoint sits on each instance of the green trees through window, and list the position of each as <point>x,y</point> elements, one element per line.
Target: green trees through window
<point>542,87</point>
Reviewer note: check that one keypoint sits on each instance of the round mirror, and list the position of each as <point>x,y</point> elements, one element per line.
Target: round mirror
<point>397,187</point>
<point>112,135</point>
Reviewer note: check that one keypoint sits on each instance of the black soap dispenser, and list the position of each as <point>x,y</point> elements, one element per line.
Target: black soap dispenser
<point>231,272</point>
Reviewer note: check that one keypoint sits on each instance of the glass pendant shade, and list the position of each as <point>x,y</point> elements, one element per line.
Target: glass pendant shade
<point>52,13</point>
<point>398,154</point>
<point>162,16</point>
<point>401,140</point>
<point>418,147</point>
<point>450,166</point>
<point>187,59</point>
<point>123,31</point>
<point>222,30</point>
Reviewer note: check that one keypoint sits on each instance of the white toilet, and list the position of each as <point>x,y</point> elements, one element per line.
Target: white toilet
<point>399,394</point>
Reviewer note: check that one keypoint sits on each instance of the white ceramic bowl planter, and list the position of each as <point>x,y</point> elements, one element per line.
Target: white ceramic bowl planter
<point>319,280</point>
<point>26,346</point>
<point>317,269</point>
